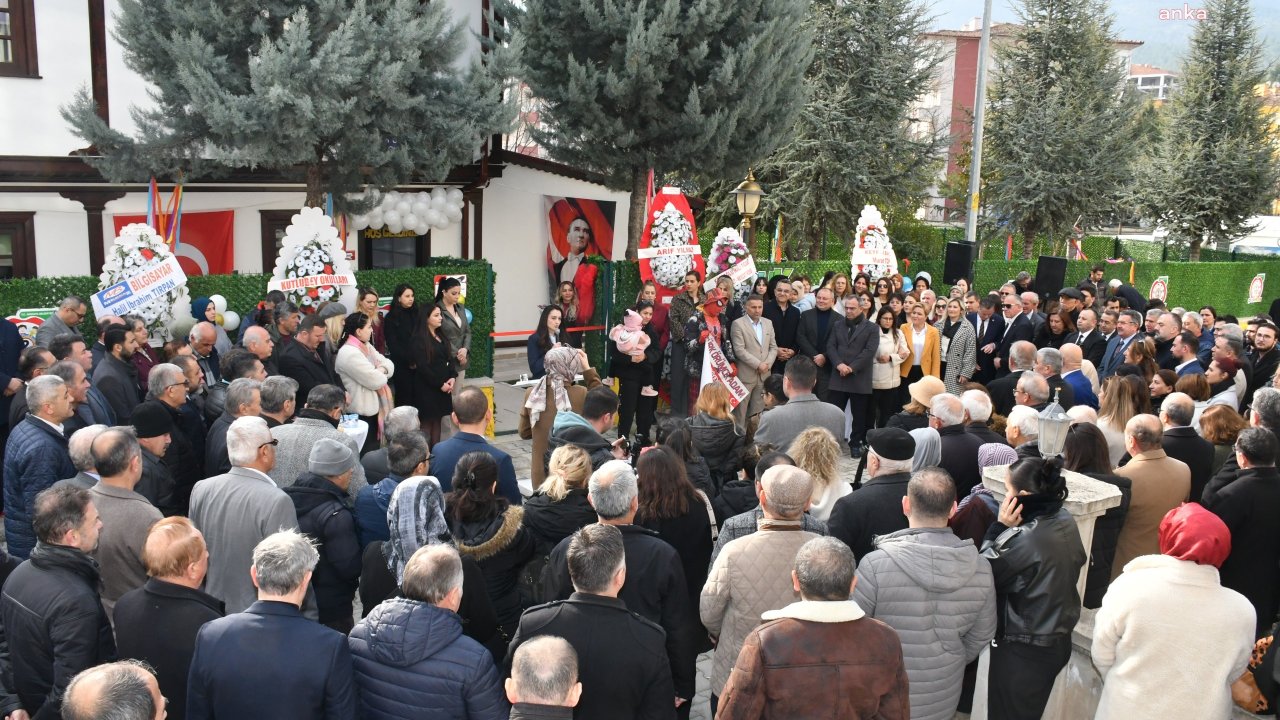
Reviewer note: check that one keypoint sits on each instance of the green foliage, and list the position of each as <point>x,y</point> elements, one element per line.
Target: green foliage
<point>244,291</point>
<point>1215,167</point>
<point>1061,131</point>
<point>337,92</point>
<point>667,84</point>
<point>854,143</point>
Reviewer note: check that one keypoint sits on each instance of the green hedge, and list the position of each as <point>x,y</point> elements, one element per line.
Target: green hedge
<point>244,291</point>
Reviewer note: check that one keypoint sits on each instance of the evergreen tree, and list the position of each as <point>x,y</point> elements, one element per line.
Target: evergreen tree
<point>339,92</point>
<point>1061,122</point>
<point>1215,165</point>
<point>672,85</point>
<point>854,142</point>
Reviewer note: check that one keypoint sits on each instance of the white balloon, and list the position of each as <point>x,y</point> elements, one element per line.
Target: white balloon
<point>410,220</point>
<point>454,214</point>
<point>388,203</point>
<point>391,217</point>
<point>422,228</point>
<point>438,192</point>
<point>375,218</point>
<point>230,320</point>
<point>359,222</point>
<point>394,227</point>
<point>402,207</point>
<point>420,208</point>
<point>454,195</point>
<point>219,303</point>
<point>439,203</point>
<point>422,197</point>
<point>436,218</point>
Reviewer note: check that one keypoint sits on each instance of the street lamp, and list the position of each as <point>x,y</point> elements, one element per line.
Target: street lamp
<point>747,195</point>
<point>1054,425</point>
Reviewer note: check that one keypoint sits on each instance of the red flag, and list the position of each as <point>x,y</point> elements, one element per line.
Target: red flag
<point>208,241</point>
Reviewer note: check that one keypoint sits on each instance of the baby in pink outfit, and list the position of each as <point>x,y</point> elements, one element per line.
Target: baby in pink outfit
<point>631,339</point>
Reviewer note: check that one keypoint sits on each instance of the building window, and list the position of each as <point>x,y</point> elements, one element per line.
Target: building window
<point>17,245</point>
<point>381,249</point>
<point>274,223</point>
<point>18,39</point>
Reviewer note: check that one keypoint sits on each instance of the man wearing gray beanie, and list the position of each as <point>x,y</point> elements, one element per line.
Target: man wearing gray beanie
<point>320,499</point>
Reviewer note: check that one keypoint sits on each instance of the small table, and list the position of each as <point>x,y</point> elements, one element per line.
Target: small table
<point>357,432</point>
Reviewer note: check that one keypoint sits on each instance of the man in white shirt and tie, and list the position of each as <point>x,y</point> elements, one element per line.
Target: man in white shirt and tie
<point>756,347</point>
<point>1092,344</point>
<point>1127,327</point>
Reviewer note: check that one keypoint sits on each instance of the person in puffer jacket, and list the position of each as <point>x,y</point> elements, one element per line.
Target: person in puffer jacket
<point>587,430</point>
<point>716,435</point>
<point>927,566</point>
<point>410,656</point>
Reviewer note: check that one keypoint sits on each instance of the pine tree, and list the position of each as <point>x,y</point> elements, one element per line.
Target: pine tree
<point>854,143</point>
<point>672,85</point>
<point>1215,165</point>
<point>1061,124</point>
<point>337,92</point>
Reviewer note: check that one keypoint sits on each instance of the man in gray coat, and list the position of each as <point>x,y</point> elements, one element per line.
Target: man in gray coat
<point>927,566</point>
<point>63,321</point>
<point>315,422</point>
<point>238,510</point>
<point>781,425</point>
<point>851,351</point>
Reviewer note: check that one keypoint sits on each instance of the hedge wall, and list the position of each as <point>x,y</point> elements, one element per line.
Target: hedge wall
<point>244,291</point>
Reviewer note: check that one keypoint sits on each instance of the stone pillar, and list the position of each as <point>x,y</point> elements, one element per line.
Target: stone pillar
<point>1087,500</point>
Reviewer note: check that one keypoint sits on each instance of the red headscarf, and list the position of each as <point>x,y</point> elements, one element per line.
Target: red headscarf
<point>1189,532</point>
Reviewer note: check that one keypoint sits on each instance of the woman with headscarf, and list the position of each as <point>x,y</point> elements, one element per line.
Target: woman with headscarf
<point>554,391</point>
<point>977,510</point>
<point>403,325</point>
<point>203,309</point>
<point>928,449</point>
<point>415,517</point>
<point>455,326</point>
<point>1166,620</point>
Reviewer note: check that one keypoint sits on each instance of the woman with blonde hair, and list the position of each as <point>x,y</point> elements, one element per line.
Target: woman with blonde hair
<point>1142,353</point>
<point>1123,397</point>
<point>816,452</point>
<point>716,435</point>
<point>559,508</point>
<point>924,350</point>
<point>841,286</point>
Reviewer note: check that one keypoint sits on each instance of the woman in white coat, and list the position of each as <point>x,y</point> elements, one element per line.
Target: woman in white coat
<point>886,372</point>
<point>364,372</point>
<point>1169,639</point>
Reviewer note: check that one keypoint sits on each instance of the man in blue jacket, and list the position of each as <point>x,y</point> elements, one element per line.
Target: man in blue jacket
<point>35,458</point>
<point>471,414</point>
<point>296,669</point>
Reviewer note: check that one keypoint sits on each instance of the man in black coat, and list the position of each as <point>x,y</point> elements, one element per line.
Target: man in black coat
<point>812,335</point>
<point>876,507</point>
<point>959,448</point>
<point>1250,508</point>
<point>977,408</point>
<point>306,361</point>
<point>158,622</point>
<point>1090,339</point>
<point>1022,357</point>
<point>988,325</point>
<point>169,384</point>
<point>320,499</point>
<point>655,586</point>
<point>1265,413</point>
<point>1265,356</point>
<point>52,624</point>
<point>154,429</point>
<point>786,324</point>
<point>1182,442</point>
<point>1131,296</point>
<point>298,670</point>
<point>1017,328</point>
<point>244,399</point>
<point>622,661</point>
<point>116,377</point>
<point>851,351</point>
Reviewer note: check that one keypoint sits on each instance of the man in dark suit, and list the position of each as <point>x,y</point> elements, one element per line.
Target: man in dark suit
<point>852,351</point>
<point>1022,357</point>
<point>1131,296</point>
<point>988,325</point>
<point>622,657</point>
<point>1090,339</point>
<point>1182,442</point>
<point>305,361</point>
<point>299,668</point>
<point>977,406</point>
<point>786,323</point>
<point>1184,351</point>
<point>1127,327</point>
<point>1017,328</point>
<point>813,333</point>
<point>116,377</point>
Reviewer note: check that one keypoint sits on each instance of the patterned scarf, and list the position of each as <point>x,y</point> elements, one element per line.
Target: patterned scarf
<point>562,365</point>
<point>416,519</point>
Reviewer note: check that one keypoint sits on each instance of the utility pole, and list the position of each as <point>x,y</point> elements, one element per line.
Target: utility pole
<point>979,113</point>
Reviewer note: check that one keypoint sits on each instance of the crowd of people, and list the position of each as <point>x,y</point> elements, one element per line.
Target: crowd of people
<point>189,527</point>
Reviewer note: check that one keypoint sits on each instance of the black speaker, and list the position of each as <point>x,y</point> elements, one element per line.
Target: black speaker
<point>959,262</point>
<point>1051,275</point>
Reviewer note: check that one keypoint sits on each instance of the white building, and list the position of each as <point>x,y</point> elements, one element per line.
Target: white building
<point>1157,83</point>
<point>56,211</point>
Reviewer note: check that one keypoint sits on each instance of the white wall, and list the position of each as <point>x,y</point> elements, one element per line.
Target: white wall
<point>515,238</point>
<point>29,119</point>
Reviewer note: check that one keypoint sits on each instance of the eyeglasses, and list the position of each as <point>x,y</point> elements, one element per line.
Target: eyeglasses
<point>274,442</point>
<point>1006,306</point>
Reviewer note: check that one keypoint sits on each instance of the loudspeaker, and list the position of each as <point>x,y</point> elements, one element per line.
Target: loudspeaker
<point>1051,275</point>
<point>959,262</point>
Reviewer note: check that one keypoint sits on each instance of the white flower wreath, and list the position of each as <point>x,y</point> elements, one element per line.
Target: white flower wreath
<point>727,250</point>
<point>139,248</point>
<point>871,231</point>
<point>311,247</point>
<point>671,229</point>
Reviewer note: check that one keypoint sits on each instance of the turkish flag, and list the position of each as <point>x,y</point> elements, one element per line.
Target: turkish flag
<point>206,245</point>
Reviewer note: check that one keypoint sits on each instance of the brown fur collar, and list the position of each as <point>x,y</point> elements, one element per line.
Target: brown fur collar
<point>512,520</point>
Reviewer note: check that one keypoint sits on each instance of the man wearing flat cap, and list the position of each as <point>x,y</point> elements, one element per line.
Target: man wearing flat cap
<point>876,507</point>
<point>153,425</point>
<point>1071,300</point>
<point>320,499</point>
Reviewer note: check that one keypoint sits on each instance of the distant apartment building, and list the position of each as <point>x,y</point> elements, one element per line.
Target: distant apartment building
<point>1157,83</point>
<point>948,105</point>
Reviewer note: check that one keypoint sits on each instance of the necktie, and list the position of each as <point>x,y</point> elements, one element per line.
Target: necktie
<point>982,329</point>
<point>1119,353</point>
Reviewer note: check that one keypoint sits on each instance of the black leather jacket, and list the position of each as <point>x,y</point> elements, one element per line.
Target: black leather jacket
<point>1036,567</point>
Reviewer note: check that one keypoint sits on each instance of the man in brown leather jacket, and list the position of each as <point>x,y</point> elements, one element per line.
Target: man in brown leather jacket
<point>820,657</point>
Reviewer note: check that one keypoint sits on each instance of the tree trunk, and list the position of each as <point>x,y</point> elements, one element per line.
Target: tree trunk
<point>1194,255</point>
<point>635,217</point>
<point>1029,241</point>
<point>315,186</point>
